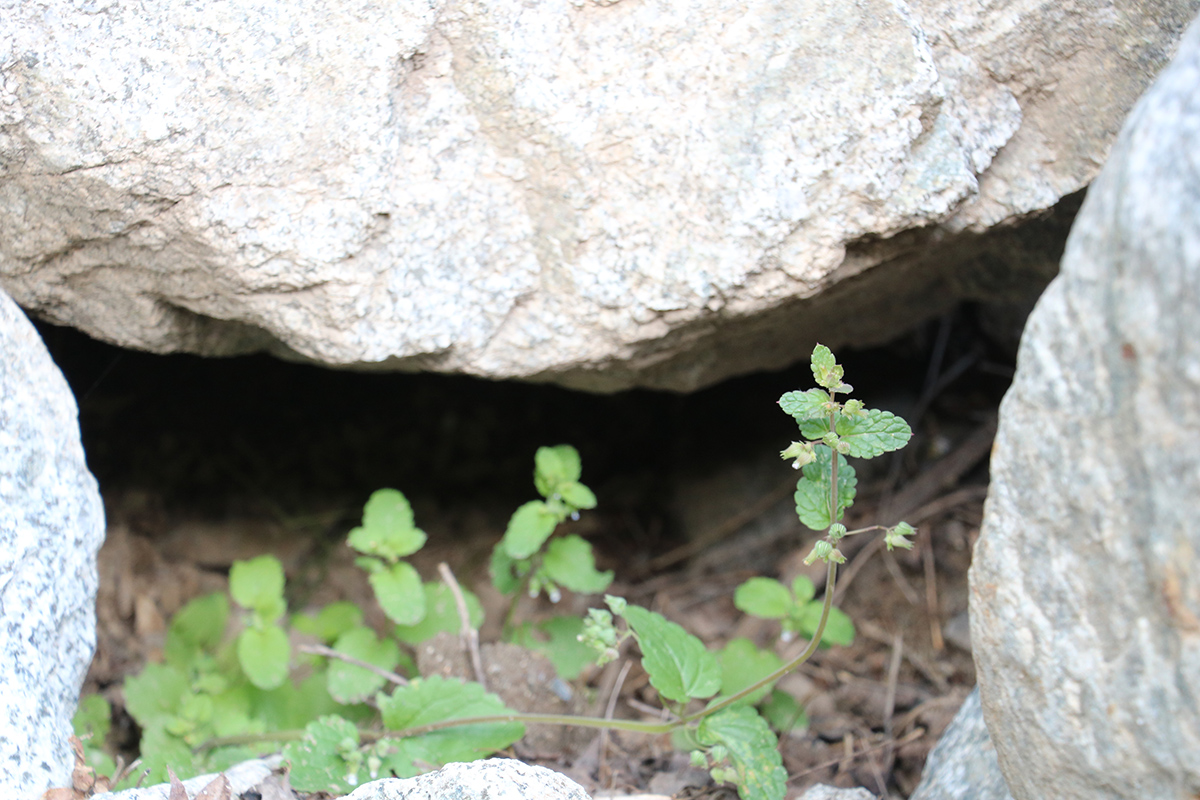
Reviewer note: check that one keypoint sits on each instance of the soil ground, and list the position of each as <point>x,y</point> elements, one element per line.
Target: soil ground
<point>202,462</point>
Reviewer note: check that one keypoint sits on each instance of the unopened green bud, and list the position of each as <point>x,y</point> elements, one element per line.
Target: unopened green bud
<point>836,531</point>
<point>854,408</point>
<point>617,604</point>
<point>697,759</point>
<point>819,552</point>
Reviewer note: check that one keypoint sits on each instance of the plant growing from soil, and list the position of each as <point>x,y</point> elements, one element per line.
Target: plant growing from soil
<point>219,698</point>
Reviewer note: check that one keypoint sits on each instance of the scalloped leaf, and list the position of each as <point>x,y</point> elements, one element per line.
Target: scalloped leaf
<point>330,622</point>
<point>763,597</point>
<point>753,751</point>
<point>807,405</point>
<point>398,590</point>
<point>569,562</point>
<point>198,626</point>
<point>387,529</point>
<point>441,614</point>
<point>577,495</point>
<point>743,664</point>
<point>349,683</point>
<point>257,584</point>
<point>152,695</point>
<point>839,628</point>
<point>435,699</point>
<point>562,646</point>
<point>263,654</point>
<point>676,661</point>
<point>316,761</point>
<point>825,369</point>
<point>812,490</point>
<point>528,529</point>
<point>503,570</point>
<point>875,433</point>
<point>555,466</point>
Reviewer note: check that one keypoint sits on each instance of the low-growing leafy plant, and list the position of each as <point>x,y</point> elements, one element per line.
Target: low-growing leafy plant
<point>233,685</point>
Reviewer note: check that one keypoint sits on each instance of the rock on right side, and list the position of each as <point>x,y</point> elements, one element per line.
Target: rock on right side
<point>1085,587</point>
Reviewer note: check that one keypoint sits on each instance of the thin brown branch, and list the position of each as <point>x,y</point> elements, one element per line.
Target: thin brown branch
<point>329,652</point>
<point>470,636</point>
<point>931,596</point>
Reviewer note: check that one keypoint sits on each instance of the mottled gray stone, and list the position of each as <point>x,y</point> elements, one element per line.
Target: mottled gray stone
<point>963,765</point>
<point>241,778</point>
<point>823,792</point>
<point>493,779</point>
<point>602,194</point>
<point>1085,585</point>
<point>51,526</point>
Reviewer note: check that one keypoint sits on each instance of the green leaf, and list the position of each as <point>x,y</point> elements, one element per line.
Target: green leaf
<point>161,750</point>
<point>562,645</point>
<point>743,664</point>
<point>94,718</point>
<point>387,527</point>
<point>529,528</point>
<point>839,629</point>
<point>294,706</point>
<point>825,368</point>
<point>875,433</point>
<point>554,466</point>
<point>330,622</point>
<point>569,562</point>
<point>434,699</point>
<point>752,750</point>
<point>441,614</point>
<point>763,597</point>
<point>257,584</point>
<point>783,712</point>
<point>317,761</point>
<point>263,654</point>
<point>503,570</point>
<point>152,695</point>
<point>812,490</point>
<point>577,495</point>
<point>806,405</point>
<point>676,661</point>
<point>198,626</point>
<point>803,589</point>
<point>398,590</point>
<point>349,683</point>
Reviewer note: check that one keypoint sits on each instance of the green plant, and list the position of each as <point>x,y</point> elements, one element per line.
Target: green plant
<point>231,687</point>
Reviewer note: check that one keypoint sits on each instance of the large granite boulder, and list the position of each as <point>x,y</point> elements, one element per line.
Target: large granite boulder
<point>51,527</point>
<point>1085,586</point>
<point>598,193</point>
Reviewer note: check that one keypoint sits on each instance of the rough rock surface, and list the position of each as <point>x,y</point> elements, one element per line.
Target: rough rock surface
<point>1085,586</point>
<point>598,193</point>
<point>963,765</point>
<point>241,779</point>
<point>51,526</point>
<point>493,779</point>
<point>823,792</point>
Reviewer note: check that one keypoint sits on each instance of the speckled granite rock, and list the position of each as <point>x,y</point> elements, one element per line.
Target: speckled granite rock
<point>823,792</point>
<point>1085,584</point>
<point>242,778</point>
<point>601,194</point>
<point>51,526</point>
<point>493,779</point>
<point>963,765</point>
